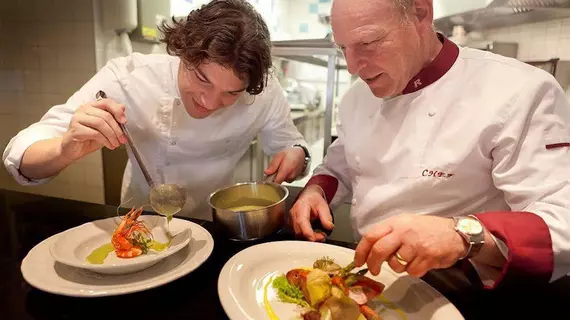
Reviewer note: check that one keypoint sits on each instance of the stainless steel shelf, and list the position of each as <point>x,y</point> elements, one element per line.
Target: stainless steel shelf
<point>312,51</point>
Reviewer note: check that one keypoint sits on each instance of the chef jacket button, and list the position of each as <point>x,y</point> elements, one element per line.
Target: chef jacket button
<point>357,159</point>
<point>353,201</point>
<point>167,163</point>
<point>431,113</point>
<point>177,102</point>
<point>172,143</point>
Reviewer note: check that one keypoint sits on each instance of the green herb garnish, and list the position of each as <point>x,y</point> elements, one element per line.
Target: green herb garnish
<point>288,292</point>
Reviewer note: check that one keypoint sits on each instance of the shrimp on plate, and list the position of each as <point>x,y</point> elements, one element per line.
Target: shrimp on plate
<point>131,238</point>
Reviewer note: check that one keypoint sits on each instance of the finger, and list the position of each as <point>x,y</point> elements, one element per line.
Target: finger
<point>100,125</point>
<point>320,236</point>
<point>283,171</point>
<point>108,117</point>
<point>396,264</point>
<point>85,133</point>
<point>419,267</point>
<point>325,214</point>
<point>381,251</point>
<point>116,109</point>
<point>304,223</point>
<point>369,239</point>
<point>274,164</point>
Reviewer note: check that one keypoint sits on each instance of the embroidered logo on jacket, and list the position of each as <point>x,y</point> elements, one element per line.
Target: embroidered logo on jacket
<point>436,174</point>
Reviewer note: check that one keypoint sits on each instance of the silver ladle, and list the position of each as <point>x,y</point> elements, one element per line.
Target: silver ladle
<point>165,199</point>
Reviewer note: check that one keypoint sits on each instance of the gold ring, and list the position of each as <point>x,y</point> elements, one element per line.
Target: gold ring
<point>401,260</point>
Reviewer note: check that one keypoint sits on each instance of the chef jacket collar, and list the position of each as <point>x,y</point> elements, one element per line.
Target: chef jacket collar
<point>437,68</point>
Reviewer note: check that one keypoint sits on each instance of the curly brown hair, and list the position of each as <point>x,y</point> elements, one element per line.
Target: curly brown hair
<point>228,32</point>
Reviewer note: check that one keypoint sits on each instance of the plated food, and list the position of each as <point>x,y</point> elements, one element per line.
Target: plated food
<point>254,285</point>
<point>327,291</point>
<point>121,245</point>
<point>130,239</point>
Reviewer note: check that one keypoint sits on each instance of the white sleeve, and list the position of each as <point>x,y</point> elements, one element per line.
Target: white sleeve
<point>335,165</point>
<point>531,161</point>
<point>279,131</point>
<point>56,121</point>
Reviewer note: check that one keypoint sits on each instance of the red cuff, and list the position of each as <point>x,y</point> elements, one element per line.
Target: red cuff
<point>530,247</point>
<point>329,184</point>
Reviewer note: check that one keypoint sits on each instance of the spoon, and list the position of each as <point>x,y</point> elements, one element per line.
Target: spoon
<point>165,199</point>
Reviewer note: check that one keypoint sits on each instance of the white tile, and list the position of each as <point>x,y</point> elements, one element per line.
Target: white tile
<point>84,33</point>
<point>82,10</point>
<point>48,84</point>
<point>11,80</point>
<point>48,34</point>
<point>32,83</point>
<point>65,32</point>
<point>31,57</point>
<point>62,10</point>
<point>65,55</point>
<point>48,57</point>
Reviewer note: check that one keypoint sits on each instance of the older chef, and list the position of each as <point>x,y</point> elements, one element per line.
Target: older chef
<point>193,113</point>
<point>447,153</point>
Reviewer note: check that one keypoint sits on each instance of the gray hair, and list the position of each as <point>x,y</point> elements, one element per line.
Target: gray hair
<point>405,6</point>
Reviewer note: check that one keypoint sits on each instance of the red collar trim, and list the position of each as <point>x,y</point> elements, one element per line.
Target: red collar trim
<point>436,69</point>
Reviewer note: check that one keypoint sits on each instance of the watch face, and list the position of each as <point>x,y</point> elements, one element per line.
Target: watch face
<point>469,226</point>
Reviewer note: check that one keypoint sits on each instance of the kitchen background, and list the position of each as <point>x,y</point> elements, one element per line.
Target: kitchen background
<point>51,47</point>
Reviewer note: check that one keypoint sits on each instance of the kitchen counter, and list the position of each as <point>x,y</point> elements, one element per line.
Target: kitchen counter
<point>28,219</point>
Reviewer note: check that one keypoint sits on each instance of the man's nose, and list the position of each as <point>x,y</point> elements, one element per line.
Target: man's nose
<point>354,61</point>
<point>210,101</point>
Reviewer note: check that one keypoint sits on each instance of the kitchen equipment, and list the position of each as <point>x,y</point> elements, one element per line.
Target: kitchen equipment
<point>249,210</point>
<point>165,199</point>
<point>507,49</point>
<point>488,14</point>
<point>253,210</point>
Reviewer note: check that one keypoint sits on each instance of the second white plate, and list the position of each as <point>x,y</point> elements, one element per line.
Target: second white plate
<point>243,279</point>
<point>75,244</point>
<point>41,271</point>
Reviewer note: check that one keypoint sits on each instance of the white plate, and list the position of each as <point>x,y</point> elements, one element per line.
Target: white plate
<point>41,271</point>
<point>75,244</point>
<point>243,278</point>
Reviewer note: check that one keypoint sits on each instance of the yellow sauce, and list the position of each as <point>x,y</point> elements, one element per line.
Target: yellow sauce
<point>270,312</point>
<point>246,208</point>
<point>392,306</point>
<point>99,255</point>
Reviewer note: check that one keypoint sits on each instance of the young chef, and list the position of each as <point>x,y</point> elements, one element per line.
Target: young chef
<point>447,153</point>
<point>192,114</point>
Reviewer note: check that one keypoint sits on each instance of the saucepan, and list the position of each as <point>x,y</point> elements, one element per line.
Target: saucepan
<point>251,211</point>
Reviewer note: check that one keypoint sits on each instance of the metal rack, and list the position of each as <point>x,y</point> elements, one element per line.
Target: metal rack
<point>306,51</point>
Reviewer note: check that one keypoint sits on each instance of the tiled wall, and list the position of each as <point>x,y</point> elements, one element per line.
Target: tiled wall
<point>47,53</point>
<point>537,41</point>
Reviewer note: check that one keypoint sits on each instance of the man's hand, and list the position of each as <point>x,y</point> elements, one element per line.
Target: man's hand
<point>310,205</point>
<point>424,242</point>
<point>288,164</point>
<point>93,126</point>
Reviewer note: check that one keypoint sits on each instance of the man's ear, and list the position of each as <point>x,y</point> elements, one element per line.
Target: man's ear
<point>423,10</point>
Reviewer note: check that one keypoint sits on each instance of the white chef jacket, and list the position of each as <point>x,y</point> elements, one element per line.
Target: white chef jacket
<point>473,133</point>
<point>199,154</point>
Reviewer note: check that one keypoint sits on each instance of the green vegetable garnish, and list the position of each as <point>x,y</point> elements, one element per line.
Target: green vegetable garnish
<point>288,292</point>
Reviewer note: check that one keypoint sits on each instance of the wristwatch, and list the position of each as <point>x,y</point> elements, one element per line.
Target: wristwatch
<point>307,164</point>
<point>472,231</point>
